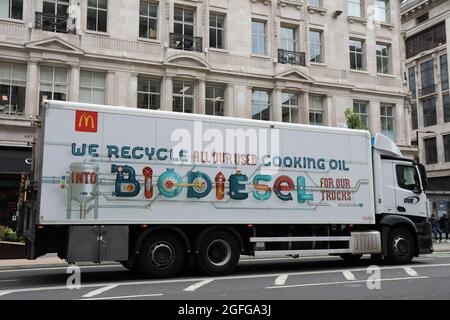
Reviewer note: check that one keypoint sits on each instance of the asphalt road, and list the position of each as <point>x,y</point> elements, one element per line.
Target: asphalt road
<point>428,277</point>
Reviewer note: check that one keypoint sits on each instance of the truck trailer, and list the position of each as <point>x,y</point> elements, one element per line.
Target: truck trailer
<point>160,191</point>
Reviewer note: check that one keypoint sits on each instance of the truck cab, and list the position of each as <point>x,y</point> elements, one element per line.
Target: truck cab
<point>400,185</point>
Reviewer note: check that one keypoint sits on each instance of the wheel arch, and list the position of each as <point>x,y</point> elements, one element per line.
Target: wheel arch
<point>392,221</point>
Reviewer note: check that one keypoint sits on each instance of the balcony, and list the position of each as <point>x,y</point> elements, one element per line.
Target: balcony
<point>185,42</point>
<point>424,91</point>
<point>54,23</point>
<point>291,57</point>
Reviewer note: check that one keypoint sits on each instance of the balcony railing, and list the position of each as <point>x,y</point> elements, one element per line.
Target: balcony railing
<point>54,23</point>
<point>291,57</point>
<point>185,42</point>
<point>427,90</point>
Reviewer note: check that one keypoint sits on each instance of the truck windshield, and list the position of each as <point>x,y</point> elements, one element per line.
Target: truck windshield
<point>408,178</point>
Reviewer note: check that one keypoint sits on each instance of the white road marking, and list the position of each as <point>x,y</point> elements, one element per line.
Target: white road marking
<point>253,276</point>
<point>99,291</point>
<point>126,297</point>
<point>197,285</point>
<point>411,271</point>
<point>349,275</point>
<point>281,280</point>
<point>342,282</point>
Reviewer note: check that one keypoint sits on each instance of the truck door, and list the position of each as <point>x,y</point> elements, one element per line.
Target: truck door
<point>410,197</point>
<point>389,186</point>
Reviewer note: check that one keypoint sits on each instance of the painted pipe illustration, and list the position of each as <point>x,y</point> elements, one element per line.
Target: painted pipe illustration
<point>220,186</point>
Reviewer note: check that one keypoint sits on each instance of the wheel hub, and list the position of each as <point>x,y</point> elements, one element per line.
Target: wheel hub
<point>162,254</point>
<point>401,246</point>
<point>219,252</point>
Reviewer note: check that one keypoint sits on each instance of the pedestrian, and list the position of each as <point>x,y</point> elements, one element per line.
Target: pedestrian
<point>443,224</point>
<point>435,228</point>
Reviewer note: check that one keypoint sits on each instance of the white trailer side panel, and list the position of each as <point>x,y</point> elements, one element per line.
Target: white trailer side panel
<point>325,174</point>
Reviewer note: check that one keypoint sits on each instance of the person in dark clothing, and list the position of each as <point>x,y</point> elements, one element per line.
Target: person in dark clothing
<point>435,228</point>
<point>443,224</point>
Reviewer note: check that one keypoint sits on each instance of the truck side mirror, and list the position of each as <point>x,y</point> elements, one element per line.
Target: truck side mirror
<point>423,176</point>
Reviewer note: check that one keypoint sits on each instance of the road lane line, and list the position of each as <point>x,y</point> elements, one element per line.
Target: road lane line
<point>349,275</point>
<point>341,282</point>
<point>4,293</point>
<point>252,276</point>
<point>411,271</point>
<point>126,297</point>
<point>281,280</point>
<point>197,285</point>
<point>99,291</point>
<point>9,280</point>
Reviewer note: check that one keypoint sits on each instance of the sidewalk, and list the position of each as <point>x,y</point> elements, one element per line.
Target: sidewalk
<point>441,247</point>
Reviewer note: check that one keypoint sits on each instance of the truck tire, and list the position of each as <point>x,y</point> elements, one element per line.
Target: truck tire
<point>348,257</point>
<point>400,246</point>
<point>161,255</point>
<point>218,253</point>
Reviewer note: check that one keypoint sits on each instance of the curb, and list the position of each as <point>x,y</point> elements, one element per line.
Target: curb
<point>56,265</point>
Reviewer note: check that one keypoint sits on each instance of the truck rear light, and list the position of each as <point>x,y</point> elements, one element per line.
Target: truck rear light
<point>40,227</point>
<point>250,225</point>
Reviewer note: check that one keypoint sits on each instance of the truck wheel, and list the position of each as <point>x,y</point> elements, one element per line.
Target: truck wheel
<point>348,257</point>
<point>161,255</point>
<point>218,254</point>
<point>401,246</point>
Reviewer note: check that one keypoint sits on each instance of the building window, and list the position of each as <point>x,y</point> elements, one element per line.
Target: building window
<point>53,83</point>
<point>97,13</point>
<point>288,39</point>
<point>426,40</point>
<point>357,55</point>
<point>316,46</point>
<point>429,112</point>
<point>217,30</point>
<point>183,96</point>
<point>184,22</point>
<point>92,87</point>
<point>360,108</point>
<point>148,19</point>
<point>259,37</point>
<point>12,9</point>
<point>412,82</point>
<point>13,78</point>
<point>446,105</point>
<point>430,150</point>
<point>444,72</point>
<point>382,10</point>
<point>383,58</point>
<point>355,8</point>
<point>427,77</point>
<point>149,93</point>
<point>315,3</point>
<point>215,100</point>
<point>316,110</point>
<point>290,107</point>
<point>261,105</point>
<point>414,119</point>
<point>447,147</point>
<point>387,117</point>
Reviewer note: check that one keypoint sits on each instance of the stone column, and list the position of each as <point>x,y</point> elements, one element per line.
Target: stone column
<point>374,117</point>
<point>74,83</point>
<point>304,108</point>
<point>276,105</point>
<point>330,112</point>
<point>400,124</point>
<point>407,111</point>
<point>200,99</point>
<point>32,95</point>
<point>132,91</point>
<point>111,91</point>
<point>229,100</point>
<point>167,103</point>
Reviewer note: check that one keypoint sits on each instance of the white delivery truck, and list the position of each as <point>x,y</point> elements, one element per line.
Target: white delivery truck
<point>160,190</point>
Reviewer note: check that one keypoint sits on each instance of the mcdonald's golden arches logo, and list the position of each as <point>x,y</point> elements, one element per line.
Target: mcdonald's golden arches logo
<point>86,121</point>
